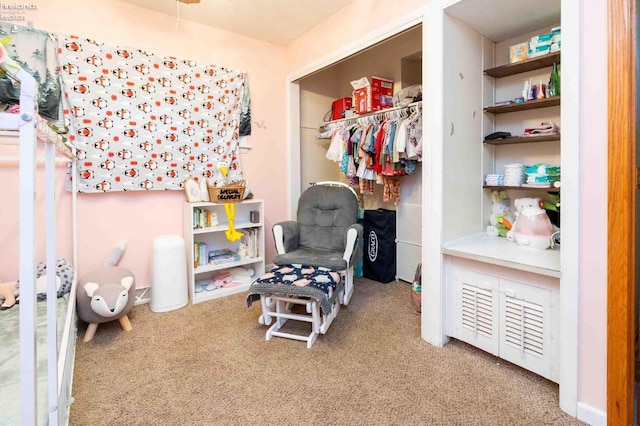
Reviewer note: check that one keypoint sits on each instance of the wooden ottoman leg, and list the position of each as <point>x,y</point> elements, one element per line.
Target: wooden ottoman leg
<point>125,323</point>
<point>91,331</point>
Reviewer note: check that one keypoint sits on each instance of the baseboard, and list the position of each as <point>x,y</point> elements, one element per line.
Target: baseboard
<point>591,415</point>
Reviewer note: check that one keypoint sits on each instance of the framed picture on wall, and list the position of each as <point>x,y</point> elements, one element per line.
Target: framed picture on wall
<point>192,190</point>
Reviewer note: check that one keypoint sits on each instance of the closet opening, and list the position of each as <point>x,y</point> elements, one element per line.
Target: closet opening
<point>397,58</point>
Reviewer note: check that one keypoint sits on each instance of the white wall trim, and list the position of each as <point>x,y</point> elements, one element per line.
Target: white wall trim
<point>572,17</point>
<point>293,146</point>
<point>433,292</point>
<point>591,415</point>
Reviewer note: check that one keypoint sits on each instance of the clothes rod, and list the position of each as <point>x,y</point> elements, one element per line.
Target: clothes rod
<point>372,113</point>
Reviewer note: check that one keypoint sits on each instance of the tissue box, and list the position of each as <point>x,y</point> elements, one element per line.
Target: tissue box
<point>372,96</point>
<point>539,49</point>
<point>542,38</point>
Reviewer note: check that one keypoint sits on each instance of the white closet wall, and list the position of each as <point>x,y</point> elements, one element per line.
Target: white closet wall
<point>409,227</point>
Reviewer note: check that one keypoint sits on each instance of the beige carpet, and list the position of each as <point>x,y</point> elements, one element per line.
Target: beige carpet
<point>209,364</point>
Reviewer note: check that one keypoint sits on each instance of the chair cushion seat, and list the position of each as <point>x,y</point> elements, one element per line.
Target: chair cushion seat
<point>307,256</point>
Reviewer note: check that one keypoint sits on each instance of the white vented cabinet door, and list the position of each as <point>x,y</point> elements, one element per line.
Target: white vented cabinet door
<point>526,328</point>
<point>476,310</point>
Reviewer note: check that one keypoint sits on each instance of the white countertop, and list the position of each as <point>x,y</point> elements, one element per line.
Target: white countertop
<point>499,251</point>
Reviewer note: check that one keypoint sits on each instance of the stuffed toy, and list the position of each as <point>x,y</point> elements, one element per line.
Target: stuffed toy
<point>243,250</point>
<point>500,220</point>
<point>106,294</point>
<point>521,204</point>
<point>8,293</point>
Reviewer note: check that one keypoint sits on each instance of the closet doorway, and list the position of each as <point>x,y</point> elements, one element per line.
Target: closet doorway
<point>398,58</point>
<point>312,89</point>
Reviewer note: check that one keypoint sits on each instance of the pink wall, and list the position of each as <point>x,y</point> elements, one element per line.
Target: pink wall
<point>139,217</point>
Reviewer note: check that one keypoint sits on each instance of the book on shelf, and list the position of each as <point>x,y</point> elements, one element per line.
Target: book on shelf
<point>250,239</point>
<point>220,256</point>
<point>203,218</point>
<point>225,259</point>
<point>200,256</point>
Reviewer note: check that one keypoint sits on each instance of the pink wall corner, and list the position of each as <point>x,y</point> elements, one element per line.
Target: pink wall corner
<point>103,220</point>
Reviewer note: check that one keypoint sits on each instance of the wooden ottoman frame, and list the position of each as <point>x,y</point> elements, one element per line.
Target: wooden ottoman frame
<point>277,301</point>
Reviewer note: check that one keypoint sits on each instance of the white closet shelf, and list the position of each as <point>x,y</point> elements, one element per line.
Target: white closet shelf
<point>373,113</point>
<point>499,251</point>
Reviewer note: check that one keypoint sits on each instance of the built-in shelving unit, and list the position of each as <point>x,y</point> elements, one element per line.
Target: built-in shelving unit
<point>524,66</point>
<point>501,297</point>
<point>523,106</point>
<point>524,139</point>
<point>520,188</point>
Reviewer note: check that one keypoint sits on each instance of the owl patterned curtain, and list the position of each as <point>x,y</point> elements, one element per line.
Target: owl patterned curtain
<point>145,122</point>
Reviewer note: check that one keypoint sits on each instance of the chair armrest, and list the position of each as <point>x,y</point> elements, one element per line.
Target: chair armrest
<point>286,235</point>
<point>353,249</point>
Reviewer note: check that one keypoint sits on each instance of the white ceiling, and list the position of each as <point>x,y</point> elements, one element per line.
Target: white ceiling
<point>501,20</point>
<point>274,21</point>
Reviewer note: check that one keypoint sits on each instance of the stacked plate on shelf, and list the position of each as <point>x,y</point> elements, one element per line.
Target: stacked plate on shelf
<point>514,174</point>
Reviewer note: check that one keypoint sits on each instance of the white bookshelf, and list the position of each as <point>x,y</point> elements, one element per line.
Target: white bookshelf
<point>215,237</point>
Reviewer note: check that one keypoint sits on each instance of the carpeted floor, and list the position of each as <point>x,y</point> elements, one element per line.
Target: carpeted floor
<point>209,364</point>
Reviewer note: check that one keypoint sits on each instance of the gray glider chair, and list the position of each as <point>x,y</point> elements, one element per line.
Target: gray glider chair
<point>326,232</point>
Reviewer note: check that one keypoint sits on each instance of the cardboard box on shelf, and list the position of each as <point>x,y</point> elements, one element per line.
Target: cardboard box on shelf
<point>518,52</point>
<point>374,96</point>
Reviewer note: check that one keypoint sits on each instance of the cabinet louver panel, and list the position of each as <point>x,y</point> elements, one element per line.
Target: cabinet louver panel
<point>477,310</point>
<point>524,326</point>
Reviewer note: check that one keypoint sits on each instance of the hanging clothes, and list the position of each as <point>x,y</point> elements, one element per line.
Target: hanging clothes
<point>377,148</point>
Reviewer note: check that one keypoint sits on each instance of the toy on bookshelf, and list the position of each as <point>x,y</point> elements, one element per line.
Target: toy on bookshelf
<point>243,251</point>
